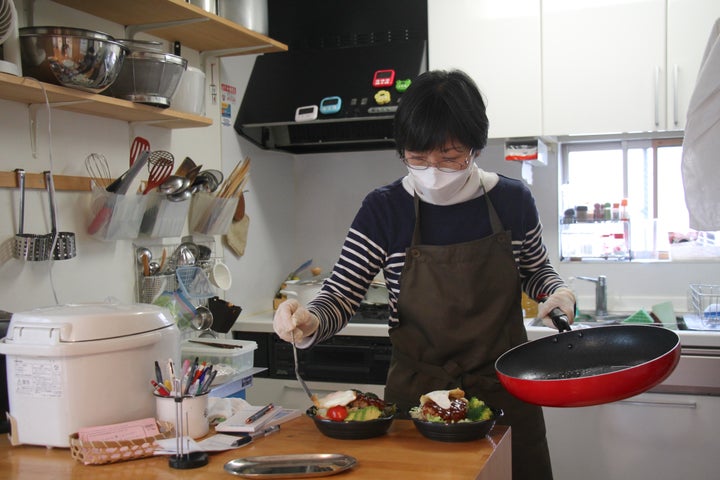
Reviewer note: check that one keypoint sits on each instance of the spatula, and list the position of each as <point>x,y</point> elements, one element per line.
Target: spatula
<point>138,146</point>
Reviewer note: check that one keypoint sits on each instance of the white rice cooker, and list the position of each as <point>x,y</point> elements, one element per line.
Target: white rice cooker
<point>76,366</point>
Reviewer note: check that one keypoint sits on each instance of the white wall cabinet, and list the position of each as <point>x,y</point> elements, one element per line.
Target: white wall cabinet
<point>561,67</point>
<point>621,66</point>
<point>648,437</point>
<point>498,45</point>
<point>602,66</point>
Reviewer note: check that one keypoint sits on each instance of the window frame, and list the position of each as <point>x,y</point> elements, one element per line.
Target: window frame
<point>574,144</point>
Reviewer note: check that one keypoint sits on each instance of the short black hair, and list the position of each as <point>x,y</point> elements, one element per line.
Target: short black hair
<point>441,106</point>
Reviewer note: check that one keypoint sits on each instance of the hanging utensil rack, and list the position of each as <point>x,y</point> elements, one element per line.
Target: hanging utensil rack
<point>75,183</point>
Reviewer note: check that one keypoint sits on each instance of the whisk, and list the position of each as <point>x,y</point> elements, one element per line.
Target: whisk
<point>98,169</point>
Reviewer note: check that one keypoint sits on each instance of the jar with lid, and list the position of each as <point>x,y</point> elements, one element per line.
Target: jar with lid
<point>581,213</point>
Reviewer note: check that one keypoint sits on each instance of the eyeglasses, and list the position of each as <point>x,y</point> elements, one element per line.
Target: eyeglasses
<point>447,165</point>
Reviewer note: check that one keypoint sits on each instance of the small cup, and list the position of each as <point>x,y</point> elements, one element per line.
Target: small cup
<point>194,414</point>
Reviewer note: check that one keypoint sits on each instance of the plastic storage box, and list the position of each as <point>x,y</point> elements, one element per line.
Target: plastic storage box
<point>230,358</point>
<point>78,366</point>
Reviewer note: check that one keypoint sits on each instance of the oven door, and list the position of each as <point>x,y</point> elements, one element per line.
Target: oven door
<point>346,359</point>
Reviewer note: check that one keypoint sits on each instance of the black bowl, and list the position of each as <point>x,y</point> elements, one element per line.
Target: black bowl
<point>457,432</point>
<point>354,430</point>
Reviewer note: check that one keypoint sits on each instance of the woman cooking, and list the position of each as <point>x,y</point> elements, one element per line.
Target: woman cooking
<point>456,245</point>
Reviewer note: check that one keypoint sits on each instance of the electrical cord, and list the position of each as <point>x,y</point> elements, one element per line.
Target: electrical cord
<point>50,157</point>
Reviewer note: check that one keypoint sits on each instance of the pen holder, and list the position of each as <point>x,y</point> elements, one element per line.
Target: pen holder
<point>195,412</point>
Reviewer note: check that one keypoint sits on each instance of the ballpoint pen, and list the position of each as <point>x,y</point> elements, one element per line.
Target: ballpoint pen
<point>159,388</point>
<point>246,438</point>
<point>158,372</point>
<point>259,413</point>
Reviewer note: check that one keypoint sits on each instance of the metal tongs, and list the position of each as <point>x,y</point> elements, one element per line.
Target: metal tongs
<point>297,371</point>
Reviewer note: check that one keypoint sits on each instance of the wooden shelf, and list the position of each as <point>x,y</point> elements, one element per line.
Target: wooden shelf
<point>209,32</point>
<point>172,20</point>
<point>29,90</point>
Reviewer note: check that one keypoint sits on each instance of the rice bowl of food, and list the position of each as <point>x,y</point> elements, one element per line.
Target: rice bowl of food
<point>447,416</point>
<point>352,415</point>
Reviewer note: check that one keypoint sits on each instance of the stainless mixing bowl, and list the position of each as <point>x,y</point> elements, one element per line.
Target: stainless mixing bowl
<point>71,57</point>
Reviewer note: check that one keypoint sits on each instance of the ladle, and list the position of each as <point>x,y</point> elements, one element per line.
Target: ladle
<point>297,370</point>
<point>173,184</point>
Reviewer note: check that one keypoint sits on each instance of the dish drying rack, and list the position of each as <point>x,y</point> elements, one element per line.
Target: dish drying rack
<point>704,301</point>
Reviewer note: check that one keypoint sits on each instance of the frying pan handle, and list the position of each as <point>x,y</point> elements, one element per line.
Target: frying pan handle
<point>560,320</point>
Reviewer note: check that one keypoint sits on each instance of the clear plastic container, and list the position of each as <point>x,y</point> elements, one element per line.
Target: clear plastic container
<point>114,216</point>
<point>211,215</point>
<point>162,217</point>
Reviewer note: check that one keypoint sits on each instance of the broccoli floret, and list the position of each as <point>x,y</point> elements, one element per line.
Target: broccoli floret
<point>477,410</point>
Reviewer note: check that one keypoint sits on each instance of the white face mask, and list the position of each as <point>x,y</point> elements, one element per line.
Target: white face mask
<point>439,188</point>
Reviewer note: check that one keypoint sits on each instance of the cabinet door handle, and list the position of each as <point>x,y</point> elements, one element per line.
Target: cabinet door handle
<point>641,403</point>
<point>657,96</point>
<point>676,74</point>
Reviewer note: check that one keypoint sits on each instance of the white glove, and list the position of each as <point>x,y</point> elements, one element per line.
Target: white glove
<point>562,298</point>
<point>293,322</point>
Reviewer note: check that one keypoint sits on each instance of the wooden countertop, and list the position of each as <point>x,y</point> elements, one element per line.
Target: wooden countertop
<point>401,454</point>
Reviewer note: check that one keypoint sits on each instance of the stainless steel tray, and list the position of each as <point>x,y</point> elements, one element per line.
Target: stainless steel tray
<point>290,466</point>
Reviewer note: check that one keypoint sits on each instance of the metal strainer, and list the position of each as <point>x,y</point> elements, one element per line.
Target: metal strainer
<point>65,241</point>
<point>29,246</point>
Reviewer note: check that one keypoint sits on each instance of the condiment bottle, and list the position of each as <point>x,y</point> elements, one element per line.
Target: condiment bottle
<point>624,214</point>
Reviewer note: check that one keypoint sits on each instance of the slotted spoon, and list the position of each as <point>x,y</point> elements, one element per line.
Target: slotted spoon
<point>159,172</point>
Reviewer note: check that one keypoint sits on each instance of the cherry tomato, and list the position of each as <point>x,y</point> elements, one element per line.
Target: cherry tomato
<point>337,413</point>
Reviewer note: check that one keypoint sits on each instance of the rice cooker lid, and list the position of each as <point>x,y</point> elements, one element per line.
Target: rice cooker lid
<point>94,321</point>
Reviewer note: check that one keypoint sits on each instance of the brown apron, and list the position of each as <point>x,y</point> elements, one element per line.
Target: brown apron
<point>459,310</point>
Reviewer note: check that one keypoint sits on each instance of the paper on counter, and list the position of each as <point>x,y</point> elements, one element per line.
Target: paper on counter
<point>219,442</point>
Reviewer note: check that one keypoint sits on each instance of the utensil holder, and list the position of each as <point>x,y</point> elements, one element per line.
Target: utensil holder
<point>115,216</point>
<point>150,287</point>
<point>211,215</point>
<point>162,217</point>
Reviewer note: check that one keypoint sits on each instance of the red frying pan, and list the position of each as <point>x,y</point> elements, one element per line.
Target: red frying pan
<point>592,366</point>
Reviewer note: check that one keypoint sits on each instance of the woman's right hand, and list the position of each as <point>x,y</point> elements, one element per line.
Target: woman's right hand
<point>292,321</point>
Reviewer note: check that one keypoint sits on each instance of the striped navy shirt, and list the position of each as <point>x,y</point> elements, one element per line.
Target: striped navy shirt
<point>382,231</point>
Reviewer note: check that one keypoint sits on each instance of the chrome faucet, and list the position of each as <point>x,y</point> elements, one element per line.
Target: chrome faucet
<point>600,294</point>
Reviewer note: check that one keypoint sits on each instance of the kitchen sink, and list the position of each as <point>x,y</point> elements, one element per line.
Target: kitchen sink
<point>590,319</point>
<point>607,319</point>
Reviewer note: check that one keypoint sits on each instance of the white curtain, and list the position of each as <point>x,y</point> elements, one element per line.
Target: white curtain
<point>701,146</point>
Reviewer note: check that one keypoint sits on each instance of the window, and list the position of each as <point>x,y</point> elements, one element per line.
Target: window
<point>624,200</point>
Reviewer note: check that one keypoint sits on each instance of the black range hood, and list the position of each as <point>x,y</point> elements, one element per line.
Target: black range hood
<point>350,46</point>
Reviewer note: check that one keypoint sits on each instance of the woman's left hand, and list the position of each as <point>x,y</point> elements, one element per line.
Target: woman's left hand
<point>562,298</point>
